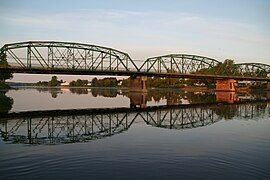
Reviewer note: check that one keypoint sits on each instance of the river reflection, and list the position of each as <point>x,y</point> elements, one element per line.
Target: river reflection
<point>169,96</point>
<point>182,110</point>
<point>5,102</point>
<point>81,133</point>
<point>71,126</point>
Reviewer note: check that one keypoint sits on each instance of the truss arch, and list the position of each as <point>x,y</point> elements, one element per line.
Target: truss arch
<point>178,63</point>
<point>253,69</point>
<point>66,55</point>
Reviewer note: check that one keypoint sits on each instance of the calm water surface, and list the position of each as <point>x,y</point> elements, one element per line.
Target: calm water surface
<point>164,134</point>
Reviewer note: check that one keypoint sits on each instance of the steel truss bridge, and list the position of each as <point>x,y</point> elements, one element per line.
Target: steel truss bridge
<point>51,57</point>
<point>71,126</point>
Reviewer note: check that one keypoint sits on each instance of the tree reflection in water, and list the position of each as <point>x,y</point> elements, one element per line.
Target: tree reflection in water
<point>5,102</point>
<point>53,91</point>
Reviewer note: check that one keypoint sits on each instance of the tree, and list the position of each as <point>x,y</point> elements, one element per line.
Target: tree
<point>94,82</point>
<point>227,68</point>
<point>5,103</point>
<point>78,83</point>
<point>54,82</point>
<point>3,63</point>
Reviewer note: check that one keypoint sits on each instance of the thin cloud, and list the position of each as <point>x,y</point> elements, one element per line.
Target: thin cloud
<point>150,29</point>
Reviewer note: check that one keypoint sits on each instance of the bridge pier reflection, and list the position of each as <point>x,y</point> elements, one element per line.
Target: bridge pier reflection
<point>229,97</point>
<point>138,99</point>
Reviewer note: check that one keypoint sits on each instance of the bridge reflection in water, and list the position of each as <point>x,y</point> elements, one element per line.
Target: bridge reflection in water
<point>71,126</point>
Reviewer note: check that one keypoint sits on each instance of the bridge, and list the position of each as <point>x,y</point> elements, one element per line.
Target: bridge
<point>52,57</point>
<point>82,125</point>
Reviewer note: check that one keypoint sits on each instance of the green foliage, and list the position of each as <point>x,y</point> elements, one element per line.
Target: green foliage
<point>106,82</point>
<point>52,83</point>
<point>5,103</point>
<point>4,86</point>
<point>78,83</point>
<point>227,68</point>
<point>125,82</point>
<point>3,63</point>
<point>164,82</point>
<point>158,82</point>
<point>42,83</point>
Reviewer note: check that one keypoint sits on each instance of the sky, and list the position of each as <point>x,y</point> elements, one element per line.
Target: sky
<point>228,29</point>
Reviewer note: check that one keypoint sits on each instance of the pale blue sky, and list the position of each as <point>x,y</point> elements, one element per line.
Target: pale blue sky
<point>235,29</point>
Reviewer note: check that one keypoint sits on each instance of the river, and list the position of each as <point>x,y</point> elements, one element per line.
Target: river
<point>112,133</point>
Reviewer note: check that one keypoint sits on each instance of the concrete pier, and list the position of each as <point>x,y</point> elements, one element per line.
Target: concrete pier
<point>138,84</point>
<point>225,85</point>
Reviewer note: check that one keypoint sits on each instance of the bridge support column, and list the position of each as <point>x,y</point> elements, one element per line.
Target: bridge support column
<point>225,85</point>
<point>268,90</point>
<point>138,84</point>
<point>268,86</point>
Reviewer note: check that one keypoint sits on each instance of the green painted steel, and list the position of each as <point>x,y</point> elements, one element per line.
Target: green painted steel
<point>66,55</point>
<point>49,57</point>
<point>178,63</point>
<point>253,69</point>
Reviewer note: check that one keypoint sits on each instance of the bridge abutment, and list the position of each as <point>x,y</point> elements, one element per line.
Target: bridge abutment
<point>138,84</point>
<point>225,85</point>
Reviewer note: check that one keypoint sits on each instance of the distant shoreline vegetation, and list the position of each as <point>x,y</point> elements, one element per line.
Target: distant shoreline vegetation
<point>4,75</point>
<point>54,82</point>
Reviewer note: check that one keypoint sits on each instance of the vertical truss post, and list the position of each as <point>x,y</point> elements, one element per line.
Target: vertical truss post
<point>101,61</point>
<point>29,56</point>
<point>50,56</point>
<point>110,124</point>
<point>126,59</point>
<point>85,124</point>
<point>171,64</point>
<point>73,58</point>
<point>29,130</point>
<point>85,57</point>
<point>110,60</point>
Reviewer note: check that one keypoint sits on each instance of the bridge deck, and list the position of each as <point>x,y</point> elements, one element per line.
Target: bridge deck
<point>125,73</point>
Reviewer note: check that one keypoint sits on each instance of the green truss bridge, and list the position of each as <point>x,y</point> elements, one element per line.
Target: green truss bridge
<point>52,57</point>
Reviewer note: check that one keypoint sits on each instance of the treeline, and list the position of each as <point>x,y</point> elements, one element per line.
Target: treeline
<point>158,82</point>
<point>52,83</point>
<point>79,83</point>
<point>4,75</point>
<point>105,82</point>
